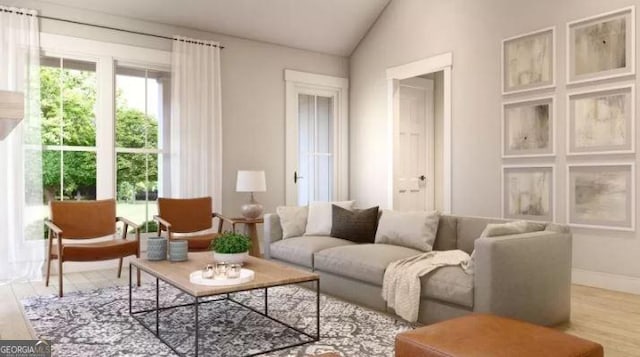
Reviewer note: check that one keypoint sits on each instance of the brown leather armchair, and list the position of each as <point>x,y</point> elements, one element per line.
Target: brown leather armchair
<point>189,216</point>
<point>84,220</point>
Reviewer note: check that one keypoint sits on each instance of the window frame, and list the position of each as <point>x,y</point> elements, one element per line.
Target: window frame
<point>106,55</point>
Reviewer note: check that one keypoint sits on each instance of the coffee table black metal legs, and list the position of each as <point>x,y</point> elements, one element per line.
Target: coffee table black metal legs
<point>312,338</point>
<point>196,307</point>
<point>198,300</point>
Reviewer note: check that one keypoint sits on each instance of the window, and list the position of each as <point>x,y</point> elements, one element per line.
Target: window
<point>68,98</point>
<point>142,112</point>
<point>105,115</point>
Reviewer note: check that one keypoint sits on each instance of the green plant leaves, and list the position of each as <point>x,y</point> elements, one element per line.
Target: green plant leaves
<point>231,243</point>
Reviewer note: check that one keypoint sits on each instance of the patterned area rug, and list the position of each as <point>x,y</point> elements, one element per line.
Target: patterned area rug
<point>97,323</point>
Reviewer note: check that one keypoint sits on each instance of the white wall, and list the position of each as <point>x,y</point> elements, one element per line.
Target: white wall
<point>411,30</point>
<point>253,91</point>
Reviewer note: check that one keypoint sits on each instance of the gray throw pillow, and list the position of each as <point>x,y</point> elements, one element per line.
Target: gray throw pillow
<point>515,227</point>
<point>416,230</point>
<point>358,225</point>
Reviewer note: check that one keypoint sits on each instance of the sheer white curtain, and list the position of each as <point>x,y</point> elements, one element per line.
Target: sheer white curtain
<point>196,120</point>
<point>21,226</point>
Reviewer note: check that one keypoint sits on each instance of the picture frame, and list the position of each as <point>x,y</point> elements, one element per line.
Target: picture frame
<point>528,127</point>
<point>529,61</point>
<point>601,121</point>
<point>528,192</point>
<point>601,46</point>
<point>601,195</point>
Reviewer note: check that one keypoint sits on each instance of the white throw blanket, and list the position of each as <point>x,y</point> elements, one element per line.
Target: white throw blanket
<point>401,285</point>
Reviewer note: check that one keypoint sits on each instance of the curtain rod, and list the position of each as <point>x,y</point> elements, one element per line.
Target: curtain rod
<point>113,28</point>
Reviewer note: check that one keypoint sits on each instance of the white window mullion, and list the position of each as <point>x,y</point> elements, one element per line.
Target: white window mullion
<point>68,148</point>
<point>316,166</point>
<point>340,144</point>
<point>61,138</point>
<point>105,128</point>
<point>146,144</point>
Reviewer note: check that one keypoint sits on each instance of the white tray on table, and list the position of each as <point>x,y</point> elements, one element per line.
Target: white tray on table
<point>246,275</point>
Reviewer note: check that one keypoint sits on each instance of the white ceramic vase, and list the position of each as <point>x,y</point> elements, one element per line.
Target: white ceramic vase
<point>236,258</point>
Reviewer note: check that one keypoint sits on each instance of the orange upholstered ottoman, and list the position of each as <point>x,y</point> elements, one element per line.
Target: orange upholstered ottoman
<point>479,335</point>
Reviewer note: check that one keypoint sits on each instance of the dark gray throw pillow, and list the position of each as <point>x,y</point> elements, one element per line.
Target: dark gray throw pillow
<point>358,225</point>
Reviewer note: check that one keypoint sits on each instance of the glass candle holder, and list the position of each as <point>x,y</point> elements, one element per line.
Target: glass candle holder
<point>208,272</point>
<point>233,271</point>
<point>221,270</point>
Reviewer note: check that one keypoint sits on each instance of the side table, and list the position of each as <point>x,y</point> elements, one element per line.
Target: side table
<point>250,229</point>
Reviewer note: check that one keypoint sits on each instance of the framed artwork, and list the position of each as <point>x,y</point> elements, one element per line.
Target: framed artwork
<point>601,46</point>
<point>528,192</point>
<point>601,121</point>
<point>528,128</point>
<point>601,195</point>
<point>528,61</point>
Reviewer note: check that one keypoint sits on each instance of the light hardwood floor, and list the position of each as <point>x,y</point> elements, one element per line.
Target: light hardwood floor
<point>608,317</point>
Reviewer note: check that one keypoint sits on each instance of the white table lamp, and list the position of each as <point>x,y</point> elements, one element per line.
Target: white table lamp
<point>251,181</point>
<point>11,111</point>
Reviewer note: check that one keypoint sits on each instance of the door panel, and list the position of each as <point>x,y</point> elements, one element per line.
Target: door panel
<point>314,178</point>
<point>414,175</point>
<point>316,138</point>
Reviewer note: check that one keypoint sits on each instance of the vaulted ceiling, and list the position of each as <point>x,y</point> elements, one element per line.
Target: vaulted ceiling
<point>329,26</point>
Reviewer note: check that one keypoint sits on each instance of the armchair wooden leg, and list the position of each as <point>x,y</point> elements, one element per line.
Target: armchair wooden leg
<point>59,277</point>
<point>46,283</point>
<point>119,268</point>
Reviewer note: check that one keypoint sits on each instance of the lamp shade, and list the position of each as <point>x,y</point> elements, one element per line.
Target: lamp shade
<point>251,181</point>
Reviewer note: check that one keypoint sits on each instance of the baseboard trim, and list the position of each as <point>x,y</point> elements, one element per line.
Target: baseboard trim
<point>596,279</point>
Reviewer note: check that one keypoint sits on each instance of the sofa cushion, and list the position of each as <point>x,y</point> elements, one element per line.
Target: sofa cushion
<point>319,218</point>
<point>509,228</point>
<point>558,228</point>
<point>446,238</point>
<point>299,250</point>
<point>449,284</point>
<point>293,220</point>
<point>365,262</point>
<point>416,230</point>
<point>358,225</point>
<point>470,228</point>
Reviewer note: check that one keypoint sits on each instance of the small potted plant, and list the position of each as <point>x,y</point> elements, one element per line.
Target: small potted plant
<point>232,248</point>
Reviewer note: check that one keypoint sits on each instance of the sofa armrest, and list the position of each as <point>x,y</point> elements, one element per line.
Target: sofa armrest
<point>524,276</point>
<point>272,232</point>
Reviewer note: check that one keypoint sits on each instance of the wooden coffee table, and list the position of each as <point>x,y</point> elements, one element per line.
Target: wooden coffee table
<point>267,275</point>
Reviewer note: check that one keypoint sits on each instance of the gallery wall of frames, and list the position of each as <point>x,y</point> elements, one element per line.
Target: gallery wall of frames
<point>598,118</point>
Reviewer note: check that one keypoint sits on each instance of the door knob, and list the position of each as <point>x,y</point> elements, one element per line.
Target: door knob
<point>422,177</point>
<point>296,177</point>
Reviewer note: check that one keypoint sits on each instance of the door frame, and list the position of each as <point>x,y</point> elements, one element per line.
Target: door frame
<point>442,62</point>
<point>302,82</point>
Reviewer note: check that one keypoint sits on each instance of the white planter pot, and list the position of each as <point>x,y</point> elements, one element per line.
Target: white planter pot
<point>237,258</point>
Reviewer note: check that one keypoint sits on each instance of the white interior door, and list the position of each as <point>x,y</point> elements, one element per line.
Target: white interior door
<point>316,138</point>
<point>414,176</point>
<point>314,177</point>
